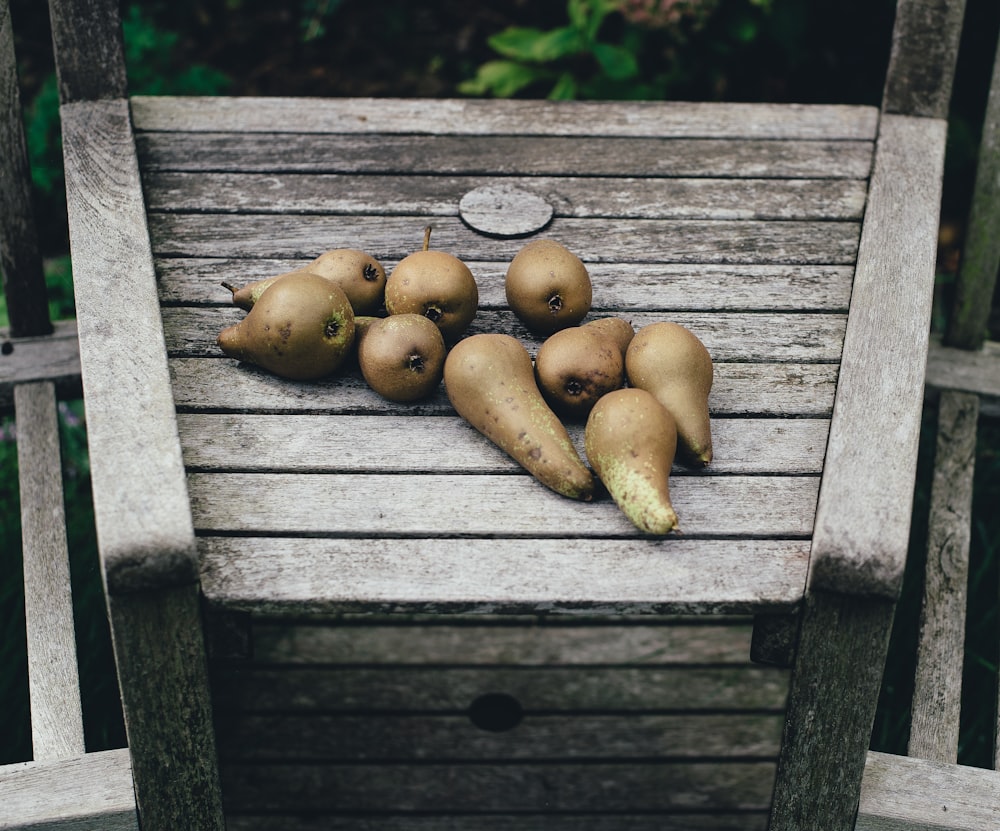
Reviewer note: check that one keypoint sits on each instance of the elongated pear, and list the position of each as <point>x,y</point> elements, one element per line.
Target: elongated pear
<point>490,381</point>
<point>630,440</point>
<point>669,361</point>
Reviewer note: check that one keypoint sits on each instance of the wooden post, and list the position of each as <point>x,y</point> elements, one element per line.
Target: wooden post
<point>90,55</point>
<point>23,277</point>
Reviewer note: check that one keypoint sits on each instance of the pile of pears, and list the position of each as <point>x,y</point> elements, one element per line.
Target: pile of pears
<point>643,395</point>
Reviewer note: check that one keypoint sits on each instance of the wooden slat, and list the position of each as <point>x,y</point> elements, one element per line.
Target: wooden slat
<point>53,677</point>
<point>440,195</point>
<point>481,117</point>
<point>523,155</point>
<point>568,821</point>
<point>191,331</point>
<point>676,241</point>
<point>90,58</point>
<point>91,792</point>
<point>902,794</point>
<point>140,500</point>
<point>649,287</point>
<point>485,576</point>
<point>978,372</point>
<point>937,692</point>
<point>319,443</point>
<point>502,788</point>
<point>421,738</point>
<point>54,358</point>
<point>210,384</point>
<point>525,642</point>
<point>411,689</point>
<point>477,505</point>
<point>863,519</point>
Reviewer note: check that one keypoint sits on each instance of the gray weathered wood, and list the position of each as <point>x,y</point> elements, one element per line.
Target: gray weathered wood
<point>397,443</point>
<point>649,287</point>
<point>484,505</point>
<point>481,117</point>
<point>393,237</point>
<point>90,57</point>
<point>951,368</point>
<point>54,358</point>
<point>91,792</point>
<point>903,794</point>
<point>863,518</point>
<point>20,255</point>
<point>222,384</point>
<point>487,576</point>
<point>567,821</point>
<point>937,693</point>
<point>142,516</point>
<point>831,709</point>
<point>53,678</point>
<point>518,155</point>
<point>439,195</point>
<point>977,277</point>
<point>504,210</point>
<point>925,40</point>
<point>162,669</point>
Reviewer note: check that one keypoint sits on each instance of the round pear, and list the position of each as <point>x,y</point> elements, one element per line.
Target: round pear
<point>402,356</point>
<point>359,274</point>
<point>578,365</point>
<point>301,328</point>
<point>437,285</point>
<point>548,287</point>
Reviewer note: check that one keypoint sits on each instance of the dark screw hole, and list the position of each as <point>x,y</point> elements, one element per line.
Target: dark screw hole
<point>7,347</point>
<point>496,712</point>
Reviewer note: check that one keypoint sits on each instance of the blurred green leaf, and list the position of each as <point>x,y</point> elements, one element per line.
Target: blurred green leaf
<point>565,88</point>
<point>501,78</point>
<point>617,62</point>
<point>536,45</point>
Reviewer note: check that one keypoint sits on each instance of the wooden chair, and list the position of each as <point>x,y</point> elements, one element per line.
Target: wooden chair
<point>403,629</point>
<point>64,785</point>
<point>964,372</point>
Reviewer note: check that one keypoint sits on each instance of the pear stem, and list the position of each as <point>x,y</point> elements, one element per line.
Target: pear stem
<point>229,286</point>
<point>427,238</point>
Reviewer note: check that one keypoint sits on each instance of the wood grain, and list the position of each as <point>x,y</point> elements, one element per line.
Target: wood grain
<point>140,500</point>
<point>863,519</point>
<point>950,368</point>
<point>485,576</point>
<point>937,693</point>
<point>482,117</point>
<point>54,358</point>
<point>53,677</point>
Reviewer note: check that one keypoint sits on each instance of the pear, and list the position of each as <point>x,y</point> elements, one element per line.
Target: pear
<point>669,361</point>
<point>490,382</point>
<point>301,328</point>
<point>359,274</point>
<point>548,287</point>
<point>576,366</point>
<point>402,356</point>
<point>435,284</point>
<point>630,440</point>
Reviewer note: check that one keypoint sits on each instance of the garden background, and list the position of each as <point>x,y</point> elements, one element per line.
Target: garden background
<point>807,51</point>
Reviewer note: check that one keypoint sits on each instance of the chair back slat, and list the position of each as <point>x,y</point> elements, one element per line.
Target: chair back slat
<point>90,55</point>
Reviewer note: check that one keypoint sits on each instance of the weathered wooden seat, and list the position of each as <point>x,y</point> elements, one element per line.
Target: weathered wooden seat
<point>403,628</point>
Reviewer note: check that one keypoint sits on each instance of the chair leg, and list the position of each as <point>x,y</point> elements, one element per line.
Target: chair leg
<point>831,710</point>
<point>163,672</point>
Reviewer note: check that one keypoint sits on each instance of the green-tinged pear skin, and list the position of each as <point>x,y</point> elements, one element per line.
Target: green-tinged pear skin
<point>359,274</point>
<point>576,366</point>
<point>548,287</point>
<point>435,284</point>
<point>490,382</point>
<point>630,440</point>
<point>301,328</point>
<point>669,361</point>
<point>402,357</point>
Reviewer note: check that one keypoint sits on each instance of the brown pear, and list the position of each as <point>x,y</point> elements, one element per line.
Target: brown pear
<point>247,295</point>
<point>301,328</point>
<point>576,366</point>
<point>402,357</point>
<point>630,440</point>
<point>435,284</point>
<point>548,287</point>
<point>491,384</point>
<point>669,361</point>
<point>359,274</point>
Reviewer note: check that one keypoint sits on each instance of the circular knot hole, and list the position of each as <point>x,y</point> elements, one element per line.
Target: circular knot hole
<point>496,712</point>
